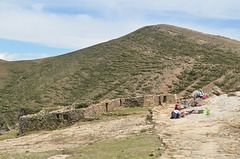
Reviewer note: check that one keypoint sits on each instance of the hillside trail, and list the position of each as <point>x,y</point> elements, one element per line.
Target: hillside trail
<point>199,135</point>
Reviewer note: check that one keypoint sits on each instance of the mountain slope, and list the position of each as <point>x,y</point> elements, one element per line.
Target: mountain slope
<point>2,60</point>
<point>152,60</point>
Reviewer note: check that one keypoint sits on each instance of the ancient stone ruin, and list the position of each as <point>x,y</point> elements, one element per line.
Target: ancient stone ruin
<point>70,115</point>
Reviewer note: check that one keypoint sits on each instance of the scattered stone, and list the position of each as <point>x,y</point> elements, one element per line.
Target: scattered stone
<point>211,95</point>
<point>217,91</point>
<point>151,154</point>
<point>232,94</point>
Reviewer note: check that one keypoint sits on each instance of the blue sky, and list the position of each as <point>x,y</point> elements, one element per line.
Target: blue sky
<point>32,29</point>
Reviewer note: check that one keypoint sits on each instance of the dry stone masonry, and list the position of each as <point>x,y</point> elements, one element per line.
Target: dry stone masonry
<point>69,115</point>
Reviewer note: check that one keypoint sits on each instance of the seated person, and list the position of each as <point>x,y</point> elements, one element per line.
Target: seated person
<point>175,114</point>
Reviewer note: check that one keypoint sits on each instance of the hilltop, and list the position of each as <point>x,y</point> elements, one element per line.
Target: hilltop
<point>152,60</point>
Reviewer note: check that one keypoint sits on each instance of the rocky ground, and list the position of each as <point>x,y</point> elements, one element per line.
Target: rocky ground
<point>194,136</point>
<point>199,135</point>
<point>75,135</point>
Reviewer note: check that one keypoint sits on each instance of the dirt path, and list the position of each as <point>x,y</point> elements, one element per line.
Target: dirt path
<point>75,135</point>
<point>199,135</point>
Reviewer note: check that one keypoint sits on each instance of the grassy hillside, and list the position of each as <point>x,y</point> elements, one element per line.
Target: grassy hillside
<point>152,60</point>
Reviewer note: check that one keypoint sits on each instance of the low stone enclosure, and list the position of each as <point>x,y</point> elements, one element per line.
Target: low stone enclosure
<point>69,115</point>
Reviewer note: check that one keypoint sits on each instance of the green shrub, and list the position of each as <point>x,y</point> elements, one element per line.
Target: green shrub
<point>155,78</point>
<point>143,131</point>
<point>149,117</point>
<point>82,105</point>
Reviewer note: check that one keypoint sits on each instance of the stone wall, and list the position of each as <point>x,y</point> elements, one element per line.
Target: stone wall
<point>70,115</point>
<point>133,102</point>
<point>52,120</point>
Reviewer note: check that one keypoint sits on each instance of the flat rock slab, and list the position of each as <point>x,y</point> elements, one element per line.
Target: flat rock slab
<point>200,135</point>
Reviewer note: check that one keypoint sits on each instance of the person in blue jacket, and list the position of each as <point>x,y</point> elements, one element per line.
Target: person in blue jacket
<point>175,114</point>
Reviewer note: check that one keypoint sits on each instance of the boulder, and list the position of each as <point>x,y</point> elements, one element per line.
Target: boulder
<point>217,91</point>
<point>2,132</point>
<point>232,94</point>
<point>194,92</point>
<point>238,88</point>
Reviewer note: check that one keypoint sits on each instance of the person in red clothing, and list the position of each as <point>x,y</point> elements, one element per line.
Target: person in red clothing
<point>177,105</point>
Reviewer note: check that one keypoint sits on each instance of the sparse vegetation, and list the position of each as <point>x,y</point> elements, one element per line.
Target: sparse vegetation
<point>9,135</point>
<point>139,146</point>
<point>135,64</point>
<point>82,105</point>
<point>135,146</point>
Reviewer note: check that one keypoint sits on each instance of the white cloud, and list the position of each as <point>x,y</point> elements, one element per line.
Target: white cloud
<point>34,21</point>
<point>202,8</point>
<point>66,31</point>
<point>207,8</point>
<point>9,57</point>
<point>21,56</point>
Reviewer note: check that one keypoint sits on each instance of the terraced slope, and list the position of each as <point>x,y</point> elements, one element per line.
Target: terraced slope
<point>152,60</point>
